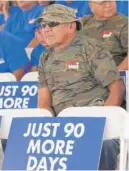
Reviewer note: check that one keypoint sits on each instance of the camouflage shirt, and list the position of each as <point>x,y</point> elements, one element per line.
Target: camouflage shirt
<point>77,75</point>
<point>113,32</point>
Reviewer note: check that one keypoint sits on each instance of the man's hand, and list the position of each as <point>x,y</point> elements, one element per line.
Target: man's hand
<point>44,99</point>
<point>117,92</point>
<point>123,65</point>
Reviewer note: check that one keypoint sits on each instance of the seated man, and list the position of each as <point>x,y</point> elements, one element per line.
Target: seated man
<point>13,57</point>
<point>23,22</point>
<point>109,27</point>
<point>77,71</point>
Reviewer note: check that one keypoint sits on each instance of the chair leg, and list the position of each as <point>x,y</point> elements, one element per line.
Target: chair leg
<point>125,160</point>
<point>127,155</point>
<point>121,164</point>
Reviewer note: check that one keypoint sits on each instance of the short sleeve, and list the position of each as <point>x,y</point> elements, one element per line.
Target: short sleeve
<point>124,38</point>
<point>102,65</point>
<point>42,81</point>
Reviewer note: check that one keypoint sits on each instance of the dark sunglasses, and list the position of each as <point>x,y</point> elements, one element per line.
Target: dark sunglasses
<point>50,24</point>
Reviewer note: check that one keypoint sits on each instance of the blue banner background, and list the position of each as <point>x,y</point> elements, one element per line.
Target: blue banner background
<point>86,149</point>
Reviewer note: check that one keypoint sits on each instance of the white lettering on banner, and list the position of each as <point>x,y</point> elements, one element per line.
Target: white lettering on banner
<point>29,90</point>
<point>51,146</point>
<point>14,96</point>
<point>71,128</point>
<point>14,103</point>
<point>8,90</point>
<point>42,129</point>
<point>34,164</point>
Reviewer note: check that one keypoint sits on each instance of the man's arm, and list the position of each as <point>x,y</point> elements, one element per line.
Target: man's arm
<point>44,99</point>
<point>33,68</point>
<point>19,73</point>
<point>123,65</point>
<point>33,43</point>
<point>105,72</point>
<point>117,91</point>
<point>123,38</point>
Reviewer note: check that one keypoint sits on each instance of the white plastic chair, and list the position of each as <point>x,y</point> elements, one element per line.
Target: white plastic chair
<point>114,127</point>
<point>6,77</point>
<point>31,76</point>
<point>126,82</point>
<point>126,136</point>
<point>0,134</point>
<point>127,91</point>
<point>9,114</point>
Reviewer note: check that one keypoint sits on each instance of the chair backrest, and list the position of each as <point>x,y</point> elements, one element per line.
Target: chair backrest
<point>5,77</point>
<point>126,133</point>
<point>9,114</point>
<point>125,77</point>
<point>31,76</point>
<point>115,118</point>
<point>127,91</point>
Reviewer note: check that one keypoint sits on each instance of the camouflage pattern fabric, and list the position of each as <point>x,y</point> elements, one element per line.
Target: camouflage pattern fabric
<point>79,74</point>
<point>58,13</point>
<point>113,33</point>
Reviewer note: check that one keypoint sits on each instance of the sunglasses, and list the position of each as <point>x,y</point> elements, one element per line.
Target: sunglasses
<point>50,24</point>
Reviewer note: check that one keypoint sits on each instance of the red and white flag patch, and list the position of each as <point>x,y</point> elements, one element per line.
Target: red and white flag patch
<point>32,20</point>
<point>106,34</point>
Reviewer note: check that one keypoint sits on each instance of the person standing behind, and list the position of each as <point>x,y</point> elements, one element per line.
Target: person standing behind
<point>13,57</point>
<point>81,7</point>
<point>6,11</point>
<point>23,22</point>
<point>39,49</point>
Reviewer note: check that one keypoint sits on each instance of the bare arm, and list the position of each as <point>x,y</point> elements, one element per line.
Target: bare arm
<point>19,73</point>
<point>33,69</point>
<point>44,99</point>
<point>123,65</point>
<point>117,91</point>
<point>2,27</point>
<point>33,43</point>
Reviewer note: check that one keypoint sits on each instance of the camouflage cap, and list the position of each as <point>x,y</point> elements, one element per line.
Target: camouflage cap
<point>58,13</point>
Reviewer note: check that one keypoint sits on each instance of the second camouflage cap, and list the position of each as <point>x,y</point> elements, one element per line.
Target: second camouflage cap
<point>58,13</point>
